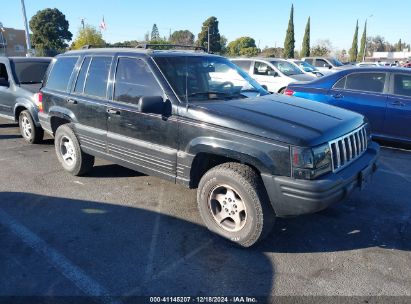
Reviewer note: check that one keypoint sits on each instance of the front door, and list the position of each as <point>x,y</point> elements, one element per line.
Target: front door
<point>398,120</point>
<point>363,92</point>
<point>146,142</point>
<point>6,96</point>
<point>266,75</point>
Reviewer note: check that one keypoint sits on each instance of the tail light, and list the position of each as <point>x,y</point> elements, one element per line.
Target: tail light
<point>289,92</point>
<point>38,99</point>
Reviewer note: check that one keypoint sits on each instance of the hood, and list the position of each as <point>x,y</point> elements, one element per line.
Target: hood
<point>282,118</point>
<point>302,77</point>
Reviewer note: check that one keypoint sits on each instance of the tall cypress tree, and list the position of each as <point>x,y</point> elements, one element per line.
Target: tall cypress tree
<point>305,50</point>
<point>361,54</point>
<point>399,46</point>
<point>289,43</point>
<point>354,48</point>
<point>155,34</point>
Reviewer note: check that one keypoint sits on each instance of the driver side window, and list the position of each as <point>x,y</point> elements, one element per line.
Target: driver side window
<point>263,69</point>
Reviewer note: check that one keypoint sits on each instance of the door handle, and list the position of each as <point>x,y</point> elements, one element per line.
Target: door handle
<point>397,103</point>
<point>338,95</point>
<point>71,101</point>
<point>113,111</point>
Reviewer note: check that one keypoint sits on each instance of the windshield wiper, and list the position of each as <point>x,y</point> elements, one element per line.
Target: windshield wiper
<point>30,82</point>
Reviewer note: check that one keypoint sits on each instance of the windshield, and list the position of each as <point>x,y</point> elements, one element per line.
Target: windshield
<point>198,78</point>
<point>335,62</point>
<point>28,72</point>
<point>306,66</point>
<point>287,68</point>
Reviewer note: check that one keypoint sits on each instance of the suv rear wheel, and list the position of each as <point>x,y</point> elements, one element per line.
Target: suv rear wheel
<point>69,152</point>
<point>234,204</point>
<point>28,129</point>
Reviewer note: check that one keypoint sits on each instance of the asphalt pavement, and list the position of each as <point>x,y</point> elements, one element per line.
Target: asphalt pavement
<point>117,232</point>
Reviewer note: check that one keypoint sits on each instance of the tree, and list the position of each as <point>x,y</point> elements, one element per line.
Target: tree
<point>322,48</point>
<point>289,42</point>
<point>243,46</point>
<point>210,26</point>
<point>182,37</point>
<point>399,46</point>
<point>88,35</point>
<point>50,31</point>
<point>127,43</point>
<point>223,43</point>
<point>305,50</point>
<point>361,54</point>
<point>272,52</point>
<point>354,48</point>
<point>155,34</point>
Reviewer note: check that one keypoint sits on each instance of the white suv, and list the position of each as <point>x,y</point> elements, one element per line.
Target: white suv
<point>273,73</point>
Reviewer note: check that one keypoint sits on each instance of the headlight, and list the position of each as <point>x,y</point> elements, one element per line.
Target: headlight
<point>309,163</point>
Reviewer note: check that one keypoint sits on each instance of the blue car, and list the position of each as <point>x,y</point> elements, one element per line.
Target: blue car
<point>383,95</point>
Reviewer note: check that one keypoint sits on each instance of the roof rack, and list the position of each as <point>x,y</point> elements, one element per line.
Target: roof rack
<point>153,46</point>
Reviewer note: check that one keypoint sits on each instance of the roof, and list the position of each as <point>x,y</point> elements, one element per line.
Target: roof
<point>378,69</point>
<point>149,52</point>
<point>260,58</point>
<point>21,59</point>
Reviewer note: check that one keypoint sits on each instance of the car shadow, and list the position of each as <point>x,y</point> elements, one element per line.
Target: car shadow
<point>9,125</point>
<point>129,251</point>
<point>376,217</point>
<point>10,136</point>
<point>112,170</point>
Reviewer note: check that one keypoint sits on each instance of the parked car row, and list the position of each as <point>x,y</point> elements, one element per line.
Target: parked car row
<point>199,120</point>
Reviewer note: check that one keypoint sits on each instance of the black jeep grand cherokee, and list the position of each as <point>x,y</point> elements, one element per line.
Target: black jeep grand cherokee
<point>198,120</point>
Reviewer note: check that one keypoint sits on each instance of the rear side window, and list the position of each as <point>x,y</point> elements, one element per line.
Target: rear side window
<point>309,60</point>
<point>28,72</point>
<point>3,72</point>
<point>402,84</point>
<point>134,79</point>
<point>369,82</point>
<point>81,78</point>
<point>60,73</point>
<point>340,84</point>
<point>243,64</point>
<point>97,77</point>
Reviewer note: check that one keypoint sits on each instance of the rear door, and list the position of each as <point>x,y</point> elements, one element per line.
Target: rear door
<point>7,98</point>
<point>363,92</point>
<point>88,101</point>
<point>147,142</point>
<point>264,74</point>
<point>398,119</point>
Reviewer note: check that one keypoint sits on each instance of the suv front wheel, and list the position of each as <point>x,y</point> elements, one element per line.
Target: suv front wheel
<point>234,204</point>
<point>69,152</point>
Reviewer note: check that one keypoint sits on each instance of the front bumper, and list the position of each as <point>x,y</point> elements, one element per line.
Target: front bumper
<point>292,197</point>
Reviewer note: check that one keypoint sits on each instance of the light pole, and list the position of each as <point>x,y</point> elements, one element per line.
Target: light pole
<point>26,26</point>
<point>3,43</point>
<point>208,38</point>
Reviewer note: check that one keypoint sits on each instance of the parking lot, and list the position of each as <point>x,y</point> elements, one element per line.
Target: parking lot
<point>116,232</point>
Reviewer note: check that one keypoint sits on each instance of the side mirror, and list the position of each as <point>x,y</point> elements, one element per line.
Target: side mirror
<point>4,82</point>
<point>272,73</point>
<point>151,104</point>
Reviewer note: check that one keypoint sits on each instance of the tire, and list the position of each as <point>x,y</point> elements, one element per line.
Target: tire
<point>250,205</point>
<point>281,91</point>
<point>28,129</point>
<point>69,153</point>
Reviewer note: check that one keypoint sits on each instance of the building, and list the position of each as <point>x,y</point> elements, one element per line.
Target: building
<point>12,42</point>
<point>391,56</point>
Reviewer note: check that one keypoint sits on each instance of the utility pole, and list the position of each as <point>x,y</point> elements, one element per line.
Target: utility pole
<point>28,42</point>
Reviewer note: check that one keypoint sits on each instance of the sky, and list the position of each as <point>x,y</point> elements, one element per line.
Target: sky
<point>264,20</point>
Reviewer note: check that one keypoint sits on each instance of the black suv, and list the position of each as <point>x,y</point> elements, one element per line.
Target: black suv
<point>198,120</point>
